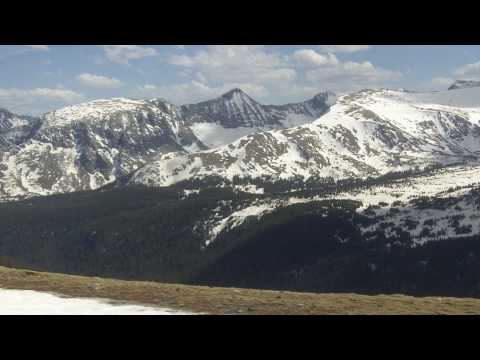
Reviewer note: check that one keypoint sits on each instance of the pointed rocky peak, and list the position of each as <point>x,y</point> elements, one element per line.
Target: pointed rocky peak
<point>234,92</point>
<point>237,96</point>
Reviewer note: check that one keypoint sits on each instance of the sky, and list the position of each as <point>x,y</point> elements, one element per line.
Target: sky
<point>40,78</point>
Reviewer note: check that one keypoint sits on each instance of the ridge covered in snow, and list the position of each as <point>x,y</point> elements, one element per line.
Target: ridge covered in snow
<point>368,133</point>
<point>440,204</point>
<point>85,146</point>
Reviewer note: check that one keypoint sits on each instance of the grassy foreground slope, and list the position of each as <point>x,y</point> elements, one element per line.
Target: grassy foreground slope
<point>212,300</point>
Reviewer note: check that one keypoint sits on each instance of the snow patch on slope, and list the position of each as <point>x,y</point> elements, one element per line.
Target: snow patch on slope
<point>214,135</point>
<point>27,302</point>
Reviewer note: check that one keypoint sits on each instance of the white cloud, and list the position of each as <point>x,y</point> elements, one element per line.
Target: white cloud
<point>147,87</point>
<point>180,47</point>
<point>39,47</point>
<point>271,74</point>
<point>195,91</point>
<point>343,48</point>
<point>37,100</point>
<point>48,93</point>
<point>98,81</point>
<point>465,72</point>
<point>309,57</point>
<point>469,71</point>
<point>352,75</point>
<point>236,63</point>
<point>122,54</point>
<point>181,60</point>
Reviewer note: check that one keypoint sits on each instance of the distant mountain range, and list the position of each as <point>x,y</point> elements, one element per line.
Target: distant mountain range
<point>86,146</point>
<point>152,142</point>
<point>368,133</point>
<point>375,191</point>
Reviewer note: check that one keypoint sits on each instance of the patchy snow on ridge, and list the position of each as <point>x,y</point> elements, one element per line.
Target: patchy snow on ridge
<point>436,185</point>
<point>449,211</point>
<point>238,217</point>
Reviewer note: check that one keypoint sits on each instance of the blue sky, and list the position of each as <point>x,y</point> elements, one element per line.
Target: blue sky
<point>39,78</point>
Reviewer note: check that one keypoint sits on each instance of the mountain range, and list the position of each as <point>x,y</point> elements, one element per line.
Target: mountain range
<point>368,133</point>
<point>86,146</point>
<point>375,191</point>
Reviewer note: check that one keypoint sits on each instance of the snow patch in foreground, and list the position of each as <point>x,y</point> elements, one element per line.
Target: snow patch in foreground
<point>27,302</point>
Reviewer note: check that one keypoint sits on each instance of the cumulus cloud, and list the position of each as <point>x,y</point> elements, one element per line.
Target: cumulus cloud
<point>468,71</point>
<point>219,68</point>
<point>343,48</point>
<point>276,75</point>
<point>37,100</point>
<point>195,91</point>
<point>352,75</point>
<point>38,47</point>
<point>98,81</point>
<point>147,87</point>
<point>236,63</point>
<point>122,54</point>
<point>182,60</point>
<point>309,57</point>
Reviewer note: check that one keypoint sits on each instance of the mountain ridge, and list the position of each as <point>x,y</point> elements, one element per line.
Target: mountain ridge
<point>85,146</point>
<point>363,134</point>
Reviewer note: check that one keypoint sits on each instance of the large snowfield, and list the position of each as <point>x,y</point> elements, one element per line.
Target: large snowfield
<point>27,302</point>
